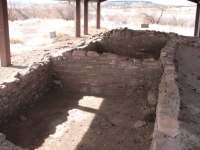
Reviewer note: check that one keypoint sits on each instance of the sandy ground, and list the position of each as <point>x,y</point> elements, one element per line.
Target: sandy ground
<point>188,61</point>
<point>35,46</point>
<point>62,120</point>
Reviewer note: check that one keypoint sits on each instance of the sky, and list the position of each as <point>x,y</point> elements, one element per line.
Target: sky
<point>165,2</point>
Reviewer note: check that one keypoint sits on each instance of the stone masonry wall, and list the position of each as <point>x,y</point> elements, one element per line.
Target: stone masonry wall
<point>166,132</point>
<point>23,88</point>
<point>105,73</point>
<point>94,68</point>
<point>133,43</point>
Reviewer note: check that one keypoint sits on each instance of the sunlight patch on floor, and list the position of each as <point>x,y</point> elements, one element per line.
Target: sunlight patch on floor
<point>91,102</point>
<point>78,121</point>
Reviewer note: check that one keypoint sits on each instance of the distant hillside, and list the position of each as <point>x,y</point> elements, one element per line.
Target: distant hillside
<point>129,4</point>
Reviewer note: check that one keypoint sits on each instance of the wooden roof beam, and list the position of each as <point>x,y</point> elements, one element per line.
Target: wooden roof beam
<point>194,1</point>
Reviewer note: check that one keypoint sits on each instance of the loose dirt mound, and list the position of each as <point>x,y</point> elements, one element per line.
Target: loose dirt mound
<point>187,61</point>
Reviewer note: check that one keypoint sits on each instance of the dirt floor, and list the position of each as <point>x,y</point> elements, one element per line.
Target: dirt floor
<point>188,60</point>
<point>62,120</point>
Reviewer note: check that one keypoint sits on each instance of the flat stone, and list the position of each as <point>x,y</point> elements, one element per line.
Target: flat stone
<point>149,59</point>
<point>92,54</point>
<point>95,90</point>
<point>157,135</point>
<point>139,124</point>
<point>9,81</point>
<point>23,118</point>
<point>112,56</point>
<point>2,137</point>
<point>136,60</point>
<point>16,74</point>
<point>3,91</point>
<point>151,63</point>
<point>165,144</point>
<point>84,89</point>
<point>198,90</point>
<point>66,54</point>
<point>168,126</point>
<point>79,53</point>
<point>57,82</point>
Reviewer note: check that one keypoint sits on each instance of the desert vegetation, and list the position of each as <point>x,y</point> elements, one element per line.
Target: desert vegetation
<point>163,15</point>
<point>31,23</point>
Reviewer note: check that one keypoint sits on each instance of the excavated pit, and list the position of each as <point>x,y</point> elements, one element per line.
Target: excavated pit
<point>99,90</point>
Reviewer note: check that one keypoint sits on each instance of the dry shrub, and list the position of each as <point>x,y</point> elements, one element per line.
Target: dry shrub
<point>60,36</point>
<point>140,137</point>
<point>16,41</point>
<point>190,138</point>
<point>151,98</point>
<point>147,104</point>
<point>23,12</point>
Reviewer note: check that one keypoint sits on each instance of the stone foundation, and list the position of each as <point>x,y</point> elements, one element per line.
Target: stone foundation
<point>108,64</point>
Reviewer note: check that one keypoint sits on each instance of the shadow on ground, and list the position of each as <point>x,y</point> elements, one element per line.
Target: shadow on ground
<point>78,121</point>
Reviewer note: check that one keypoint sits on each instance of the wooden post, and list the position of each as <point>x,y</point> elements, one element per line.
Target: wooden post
<point>86,17</point>
<point>98,15</point>
<point>78,19</point>
<point>197,21</point>
<point>4,35</point>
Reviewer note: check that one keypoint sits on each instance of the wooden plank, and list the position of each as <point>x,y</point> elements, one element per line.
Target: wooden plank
<point>78,19</point>
<point>197,22</point>
<point>98,15</point>
<point>4,35</point>
<point>86,17</point>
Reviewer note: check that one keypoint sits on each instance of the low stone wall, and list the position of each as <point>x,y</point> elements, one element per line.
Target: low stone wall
<point>105,73</point>
<point>166,132</point>
<point>133,43</point>
<point>23,88</point>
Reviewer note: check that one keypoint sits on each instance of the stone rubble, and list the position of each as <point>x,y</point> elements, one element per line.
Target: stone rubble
<point>139,124</point>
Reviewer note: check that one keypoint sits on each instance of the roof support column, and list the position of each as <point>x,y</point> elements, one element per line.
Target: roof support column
<point>4,35</point>
<point>197,22</point>
<point>78,19</point>
<point>86,17</point>
<point>98,15</point>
